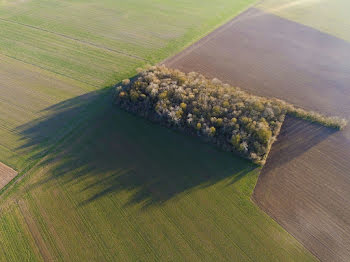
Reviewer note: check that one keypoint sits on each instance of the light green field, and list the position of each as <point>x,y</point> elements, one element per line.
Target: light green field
<point>99,184</point>
<point>328,16</point>
<point>98,42</point>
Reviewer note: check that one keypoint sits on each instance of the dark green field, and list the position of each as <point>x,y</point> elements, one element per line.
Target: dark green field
<point>121,188</point>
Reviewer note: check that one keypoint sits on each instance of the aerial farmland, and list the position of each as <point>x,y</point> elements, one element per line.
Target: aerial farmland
<point>94,168</point>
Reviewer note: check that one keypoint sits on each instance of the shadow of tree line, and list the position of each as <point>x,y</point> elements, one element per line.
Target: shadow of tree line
<point>109,150</point>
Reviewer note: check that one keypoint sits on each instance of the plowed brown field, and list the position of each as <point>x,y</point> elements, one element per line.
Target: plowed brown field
<point>6,174</point>
<point>305,185</point>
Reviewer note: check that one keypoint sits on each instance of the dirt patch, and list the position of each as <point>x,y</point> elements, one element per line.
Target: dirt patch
<point>6,174</point>
<point>305,185</point>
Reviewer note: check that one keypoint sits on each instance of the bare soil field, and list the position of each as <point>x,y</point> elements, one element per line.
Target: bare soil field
<point>305,185</point>
<point>271,56</point>
<point>6,174</point>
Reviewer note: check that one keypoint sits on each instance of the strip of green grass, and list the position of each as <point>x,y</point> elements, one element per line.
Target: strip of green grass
<point>20,245</point>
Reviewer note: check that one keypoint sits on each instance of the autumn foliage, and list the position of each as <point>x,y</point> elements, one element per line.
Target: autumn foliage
<point>227,116</point>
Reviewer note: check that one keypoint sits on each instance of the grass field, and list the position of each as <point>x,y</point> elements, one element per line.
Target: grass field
<point>97,42</point>
<point>331,17</point>
<point>26,91</point>
<point>54,50</point>
<point>99,183</point>
<point>136,191</point>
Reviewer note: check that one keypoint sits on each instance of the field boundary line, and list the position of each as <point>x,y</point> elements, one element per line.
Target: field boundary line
<point>76,39</point>
<point>34,231</point>
<point>282,225</point>
<point>208,36</point>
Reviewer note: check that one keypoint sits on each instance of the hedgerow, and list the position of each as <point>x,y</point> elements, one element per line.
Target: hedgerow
<point>227,116</point>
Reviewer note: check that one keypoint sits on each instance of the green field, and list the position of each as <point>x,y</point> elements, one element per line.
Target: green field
<point>54,50</point>
<point>331,17</point>
<point>97,183</point>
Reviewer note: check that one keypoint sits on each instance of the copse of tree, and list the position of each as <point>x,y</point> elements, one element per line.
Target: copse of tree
<point>225,115</point>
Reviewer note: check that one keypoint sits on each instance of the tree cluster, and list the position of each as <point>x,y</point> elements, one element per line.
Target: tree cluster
<point>227,116</point>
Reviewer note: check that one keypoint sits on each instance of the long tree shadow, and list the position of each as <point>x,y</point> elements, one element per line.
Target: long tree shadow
<point>107,150</point>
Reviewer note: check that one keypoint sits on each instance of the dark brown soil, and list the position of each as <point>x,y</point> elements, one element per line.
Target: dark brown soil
<point>271,56</point>
<point>6,175</point>
<point>305,185</point>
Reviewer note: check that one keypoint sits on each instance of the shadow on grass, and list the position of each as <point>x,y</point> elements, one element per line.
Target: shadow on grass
<point>107,150</point>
